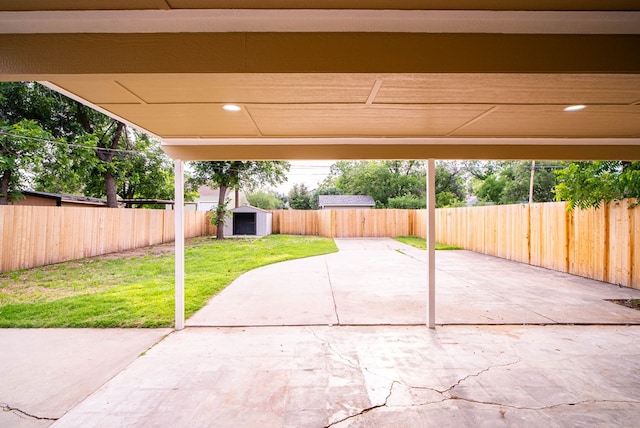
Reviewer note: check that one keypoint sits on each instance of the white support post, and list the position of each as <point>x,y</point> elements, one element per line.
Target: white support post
<point>179,243</point>
<point>431,243</point>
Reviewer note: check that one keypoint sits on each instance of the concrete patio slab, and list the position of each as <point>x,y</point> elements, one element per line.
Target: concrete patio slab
<point>45,372</point>
<point>299,295</point>
<point>339,340</point>
<point>383,282</point>
<point>363,376</point>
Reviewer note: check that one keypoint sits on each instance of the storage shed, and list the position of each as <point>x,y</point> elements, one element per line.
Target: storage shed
<point>248,220</point>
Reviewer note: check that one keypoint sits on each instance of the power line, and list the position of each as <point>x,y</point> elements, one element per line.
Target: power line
<point>141,153</point>
<point>45,140</point>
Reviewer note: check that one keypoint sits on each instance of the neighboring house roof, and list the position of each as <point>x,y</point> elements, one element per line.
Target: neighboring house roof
<point>59,198</point>
<point>345,200</point>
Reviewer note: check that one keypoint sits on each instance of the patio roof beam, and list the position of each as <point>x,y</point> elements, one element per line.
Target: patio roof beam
<point>28,56</point>
<point>319,20</point>
<point>409,148</point>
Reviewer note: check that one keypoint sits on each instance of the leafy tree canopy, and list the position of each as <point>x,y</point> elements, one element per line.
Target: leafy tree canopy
<point>407,202</point>
<point>226,175</point>
<point>380,180</point>
<point>23,145</point>
<point>450,188</point>
<point>398,184</point>
<point>92,154</point>
<point>267,200</point>
<point>508,182</point>
<point>588,184</point>
<point>300,198</point>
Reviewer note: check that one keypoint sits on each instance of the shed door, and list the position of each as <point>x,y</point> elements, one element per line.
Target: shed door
<point>244,223</point>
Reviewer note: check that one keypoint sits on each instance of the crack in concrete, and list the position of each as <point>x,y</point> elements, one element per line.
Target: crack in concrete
<point>333,295</point>
<point>446,393</point>
<point>335,352</point>
<point>551,406</point>
<point>368,409</point>
<point>411,256</point>
<point>443,392</point>
<point>459,381</point>
<point>7,408</point>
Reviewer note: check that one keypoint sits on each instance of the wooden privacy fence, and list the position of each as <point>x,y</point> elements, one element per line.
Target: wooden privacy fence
<point>35,236</point>
<point>350,223</point>
<point>602,244</point>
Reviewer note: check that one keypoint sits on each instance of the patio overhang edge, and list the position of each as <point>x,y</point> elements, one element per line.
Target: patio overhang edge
<point>404,148</point>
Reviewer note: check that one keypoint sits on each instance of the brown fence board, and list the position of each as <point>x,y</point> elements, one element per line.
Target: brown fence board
<point>588,249</point>
<point>35,236</point>
<point>634,247</point>
<point>595,243</point>
<point>601,244</point>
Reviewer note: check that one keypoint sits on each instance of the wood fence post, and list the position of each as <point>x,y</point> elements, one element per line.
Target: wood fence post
<point>568,238</point>
<point>529,233</point>
<point>607,240</point>
<point>333,223</point>
<point>632,242</point>
<point>410,226</point>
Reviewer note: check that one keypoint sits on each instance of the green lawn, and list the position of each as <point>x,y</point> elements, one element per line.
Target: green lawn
<point>421,243</point>
<point>138,291</point>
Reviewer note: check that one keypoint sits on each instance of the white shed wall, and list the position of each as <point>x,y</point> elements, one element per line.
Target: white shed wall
<point>263,221</point>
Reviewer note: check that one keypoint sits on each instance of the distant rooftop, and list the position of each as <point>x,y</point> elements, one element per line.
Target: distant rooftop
<point>345,200</point>
<point>78,199</point>
<point>60,197</point>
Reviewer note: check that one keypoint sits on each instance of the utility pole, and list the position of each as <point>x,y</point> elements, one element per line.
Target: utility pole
<point>533,170</point>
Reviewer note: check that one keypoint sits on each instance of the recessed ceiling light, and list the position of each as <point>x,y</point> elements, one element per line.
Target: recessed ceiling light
<point>575,108</point>
<point>231,107</point>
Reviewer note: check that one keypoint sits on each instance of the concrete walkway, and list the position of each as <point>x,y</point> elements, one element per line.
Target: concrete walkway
<point>383,282</point>
<point>339,341</point>
<point>45,372</point>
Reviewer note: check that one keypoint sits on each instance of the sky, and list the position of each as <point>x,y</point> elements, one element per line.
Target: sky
<point>309,173</point>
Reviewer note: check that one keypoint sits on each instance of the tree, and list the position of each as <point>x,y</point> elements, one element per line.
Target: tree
<point>508,182</point>
<point>518,179</point>
<point>53,112</point>
<point>588,184</point>
<point>400,183</point>
<point>22,145</point>
<point>267,200</point>
<point>106,147</point>
<point>407,202</point>
<point>102,156</point>
<point>226,175</point>
<point>141,172</point>
<point>300,198</point>
<point>490,190</point>
<point>380,180</point>
<point>450,189</point>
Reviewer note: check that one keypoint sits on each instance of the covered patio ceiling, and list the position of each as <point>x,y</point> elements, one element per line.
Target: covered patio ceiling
<point>366,79</point>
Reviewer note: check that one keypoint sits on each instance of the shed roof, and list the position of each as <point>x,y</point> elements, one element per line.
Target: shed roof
<point>346,200</point>
<point>248,209</point>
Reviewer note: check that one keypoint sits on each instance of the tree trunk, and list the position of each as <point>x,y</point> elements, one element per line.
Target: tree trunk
<point>110,186</point>
<point>4,187</point>
<point>221,211</point>
<point>105,153</point>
